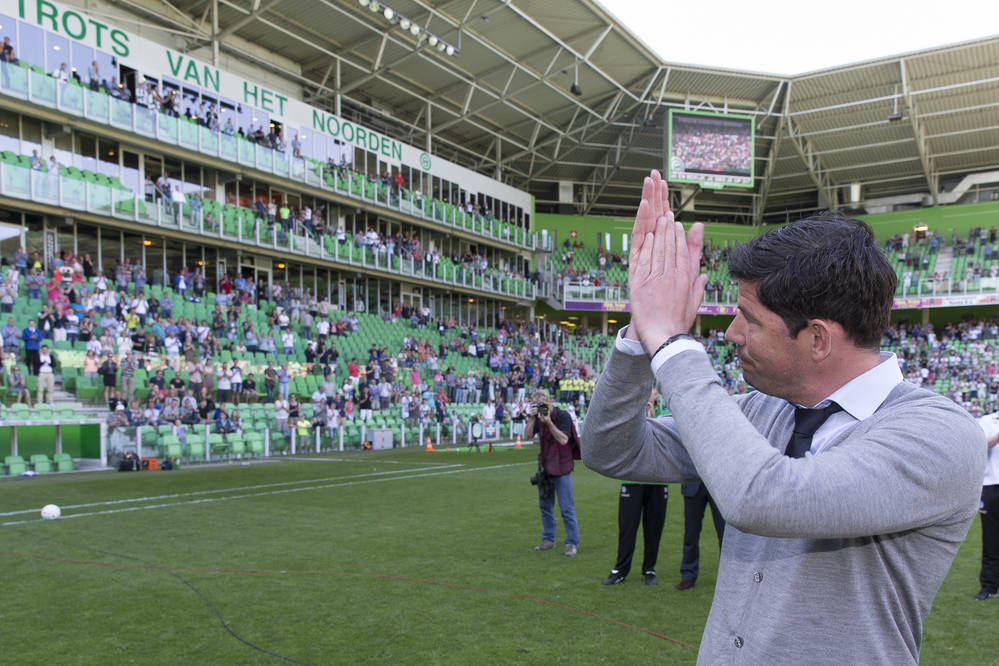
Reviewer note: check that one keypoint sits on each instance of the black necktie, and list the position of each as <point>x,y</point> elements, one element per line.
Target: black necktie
<point>806,422</point>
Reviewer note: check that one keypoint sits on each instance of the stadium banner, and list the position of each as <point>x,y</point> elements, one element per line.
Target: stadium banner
<point>49,33</point>
<point>900,303</point>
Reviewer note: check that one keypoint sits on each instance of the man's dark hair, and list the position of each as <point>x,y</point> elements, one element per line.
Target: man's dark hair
<point>827,266</point>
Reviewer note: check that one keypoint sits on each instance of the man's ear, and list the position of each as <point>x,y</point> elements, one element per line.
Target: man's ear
<point>822,335</point>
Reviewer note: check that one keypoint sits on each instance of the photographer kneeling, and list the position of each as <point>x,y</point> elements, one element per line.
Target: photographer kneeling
<point>559,446</point>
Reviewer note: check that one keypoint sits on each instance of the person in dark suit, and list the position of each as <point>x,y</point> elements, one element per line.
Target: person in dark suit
<point>645,504</point>
<point>695,500</point>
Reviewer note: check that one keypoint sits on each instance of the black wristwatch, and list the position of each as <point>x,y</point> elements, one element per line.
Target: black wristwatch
<point>671,340</point>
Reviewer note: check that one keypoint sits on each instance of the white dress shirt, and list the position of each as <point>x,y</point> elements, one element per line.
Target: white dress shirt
<point>860,397</point>
<point>990,424</point>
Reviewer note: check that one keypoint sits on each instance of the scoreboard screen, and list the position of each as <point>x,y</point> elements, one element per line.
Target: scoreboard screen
<point>711,149</point>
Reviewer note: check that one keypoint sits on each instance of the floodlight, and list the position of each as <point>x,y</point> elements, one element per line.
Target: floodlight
<point>389,13</point>
<point>432,40</point>
<point>404,23</point>
<point>414,30</point>
<point>450,50</point>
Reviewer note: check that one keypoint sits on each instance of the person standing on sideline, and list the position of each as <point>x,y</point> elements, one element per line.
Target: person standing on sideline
<point>695,500</point>
<point>847,491</point>
<point>989,512</point>
<point>640,503</point>
<point>559,447</point>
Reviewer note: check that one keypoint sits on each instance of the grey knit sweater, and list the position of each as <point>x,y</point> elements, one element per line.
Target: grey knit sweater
<point>833,558</point>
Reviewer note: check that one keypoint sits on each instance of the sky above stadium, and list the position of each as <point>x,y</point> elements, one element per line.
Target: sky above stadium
<point>784,37</point>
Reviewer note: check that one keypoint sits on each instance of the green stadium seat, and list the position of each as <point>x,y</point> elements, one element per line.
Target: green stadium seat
<point>195,448</point>
<point>41,463</point>
<point>63,462</point>
<point>235,442</point>
<point>217,444</point>
<point>15,465</point>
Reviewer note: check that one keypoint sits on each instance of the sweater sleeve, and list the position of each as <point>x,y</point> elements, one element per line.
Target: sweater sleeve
<point>618,440</point>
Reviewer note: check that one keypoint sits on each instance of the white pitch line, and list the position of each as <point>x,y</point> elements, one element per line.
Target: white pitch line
<point>283,491</point>
<point>361,461</point>
<point>216,491</point>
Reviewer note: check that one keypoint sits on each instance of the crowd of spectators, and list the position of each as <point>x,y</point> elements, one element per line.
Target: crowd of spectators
<point>126,328</point>
<point>959,360</point>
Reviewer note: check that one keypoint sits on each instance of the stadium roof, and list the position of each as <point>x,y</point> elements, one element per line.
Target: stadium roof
<point>907,127</point>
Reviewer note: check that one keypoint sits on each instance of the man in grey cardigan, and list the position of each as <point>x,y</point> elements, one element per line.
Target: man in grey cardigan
<point>839,532</point>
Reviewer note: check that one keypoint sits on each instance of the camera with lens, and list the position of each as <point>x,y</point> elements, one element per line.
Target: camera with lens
<point>543,482</point>
<point>543,409</point>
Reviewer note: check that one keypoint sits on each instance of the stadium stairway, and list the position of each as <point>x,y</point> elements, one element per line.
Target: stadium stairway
<point>944,259</point>
<point>572,358</point>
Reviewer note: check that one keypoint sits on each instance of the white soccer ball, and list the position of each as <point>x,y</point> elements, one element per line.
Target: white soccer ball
<point>51,511</point>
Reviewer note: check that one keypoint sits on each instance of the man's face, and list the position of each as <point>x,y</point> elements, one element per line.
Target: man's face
<point>772,360</point>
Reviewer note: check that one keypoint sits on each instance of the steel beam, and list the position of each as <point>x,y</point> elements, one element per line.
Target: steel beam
<point>760,203</point>
<point>818,173</point>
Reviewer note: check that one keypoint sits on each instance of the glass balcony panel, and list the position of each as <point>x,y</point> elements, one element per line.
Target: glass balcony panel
<point>43,88</point>
<point>96,105</point>
<point>14,79</point>
<point>121,113</point>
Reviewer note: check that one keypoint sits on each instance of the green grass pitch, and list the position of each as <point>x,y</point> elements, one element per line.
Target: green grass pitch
<point>396,556</point>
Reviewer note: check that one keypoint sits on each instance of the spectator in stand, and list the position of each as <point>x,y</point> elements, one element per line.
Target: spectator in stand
<point>129,365</point>
<point>288,341</point>
<point>178,200</point>
<point>250,389</point>
<point>7,52</point>
<point>17,385</point>
<point>94,77</point>
<point>270,380</point>
<point>488,413</point>
<point>11,336</point>
<point>157,385</point>
<point>223,424</point>
<point>90,365</point>
<point>34,281</point>
<point>283,378</point>
<point>32,338</point>
<point>364,404</point>
<point>118,417</point>
<point>236,381</point>
<point>109,372</point>
<point>281,415</point>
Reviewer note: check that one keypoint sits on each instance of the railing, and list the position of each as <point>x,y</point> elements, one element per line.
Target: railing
<point>926,292</point>
<point>200,446</point>
<point>44,90</point>
<point>77,193</point>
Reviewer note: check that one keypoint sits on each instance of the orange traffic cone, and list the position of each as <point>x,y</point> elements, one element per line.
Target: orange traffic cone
<point>517,445</point>
<point>430,447</point>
